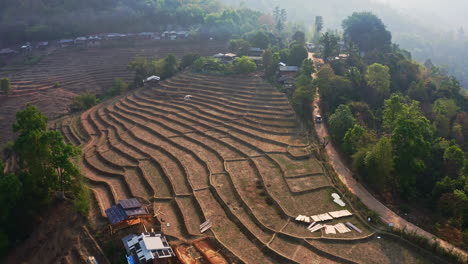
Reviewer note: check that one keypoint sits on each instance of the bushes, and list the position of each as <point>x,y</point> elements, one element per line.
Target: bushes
<point>119,87</point>
<point>244,65</point>
<point>84,101</point>
<point>164,68</point>
<point>241,65</point>
<point>188,60</point>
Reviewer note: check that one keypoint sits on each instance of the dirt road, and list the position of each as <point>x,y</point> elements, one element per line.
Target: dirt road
<point>345,175</point>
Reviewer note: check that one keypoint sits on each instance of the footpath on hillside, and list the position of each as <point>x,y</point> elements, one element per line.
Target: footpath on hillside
<point>346,177</point>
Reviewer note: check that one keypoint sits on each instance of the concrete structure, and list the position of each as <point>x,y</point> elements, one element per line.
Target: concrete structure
<point>147,248</point>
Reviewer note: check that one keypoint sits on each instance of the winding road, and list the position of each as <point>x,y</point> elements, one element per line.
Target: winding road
<point>345,175</point>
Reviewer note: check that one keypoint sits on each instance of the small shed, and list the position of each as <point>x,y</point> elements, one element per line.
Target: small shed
<point>152,80</point>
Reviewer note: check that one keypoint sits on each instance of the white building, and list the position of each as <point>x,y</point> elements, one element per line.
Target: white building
<point>147,248</point>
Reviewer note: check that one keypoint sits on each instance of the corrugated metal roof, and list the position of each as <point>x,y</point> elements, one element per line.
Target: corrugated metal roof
<point>130,203</point>
<point>289,68</point>
<point>116,214</point>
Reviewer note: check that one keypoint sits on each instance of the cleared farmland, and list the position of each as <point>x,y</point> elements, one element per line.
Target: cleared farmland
<point>53,82</point>
<point>224,155</point>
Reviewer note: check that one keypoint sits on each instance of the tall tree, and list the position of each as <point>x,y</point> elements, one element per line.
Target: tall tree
<point>411,139</point>
<point>6,86</point>
<point>380,165</point>
<point>299,37</point>
<point>340,122</point>
<point>329,47</point>
<point>297,54</point>
<point>260,40</point>
<point>378,78</point>
<point>367,31</point>
<point>318,24</point>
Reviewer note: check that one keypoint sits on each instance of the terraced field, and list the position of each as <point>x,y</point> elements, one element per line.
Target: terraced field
<point>75,70</point>
<point>232,155</point>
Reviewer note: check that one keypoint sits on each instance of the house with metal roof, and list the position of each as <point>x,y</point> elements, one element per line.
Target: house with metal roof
<point>255,52</point>
<point>126,212</point>
<point>147,248</point>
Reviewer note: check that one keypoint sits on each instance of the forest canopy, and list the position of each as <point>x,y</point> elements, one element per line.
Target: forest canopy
<point>37,20</point>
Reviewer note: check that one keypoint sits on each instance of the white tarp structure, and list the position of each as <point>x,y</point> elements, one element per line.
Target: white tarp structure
<point>337,199</point>
<point>342,228</point>
<point>153,78</point>
<point>205,226</point>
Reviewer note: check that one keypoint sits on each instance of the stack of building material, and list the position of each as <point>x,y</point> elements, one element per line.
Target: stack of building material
<point>342,228</point>
<point>348,224</point>
<point>303,218</point>
<point>339,214</point>
<point>316,227</point>
<point>329,229</point>
<point>205,226</point>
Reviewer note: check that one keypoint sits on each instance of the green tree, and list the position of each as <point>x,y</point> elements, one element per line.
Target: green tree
<point>170,66</point>
<point>239,46</point>
<point>120,87</point>
<point>454,160</point>
<point>356,137</point>
<point>260,40</point>
<point>299,38</point>
<point>244,65</point>
<point>188,60</point>
<point>6,86</point>
<point>84,101</point>
<point>396,106</point>
<point>298,53</point>
<point>302,97</point>
<point>367,31</point>
<point>378,78</point>
<point>270,62</point>
<point>60,157</point>
<point>42,154</point>
<point>411,139</point>
<point>329,47</point>
<point>340,121</point>
<point>307,67</point>
<point>334,89</point>
<point>376,163</point>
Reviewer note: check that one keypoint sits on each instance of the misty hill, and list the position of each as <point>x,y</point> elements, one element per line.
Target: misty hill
<point>422,29</point>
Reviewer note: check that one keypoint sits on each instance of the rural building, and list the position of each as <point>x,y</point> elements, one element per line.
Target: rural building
<point>26,48</point>
<point>145,35</point>
<point>42,45</point>
<point>225,58</point>
<point>182,34</point>
<point>81,41</point>
<point>94,41</point>
<point>255,52</point>
<point>7,52</point>
<point>65,42</point>
<point>284,70</point>
<point>147,248</point>
<point>126,213</point>
<point>172,35</point>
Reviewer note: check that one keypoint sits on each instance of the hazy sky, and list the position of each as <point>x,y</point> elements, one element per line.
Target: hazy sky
<point>453,12</point>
